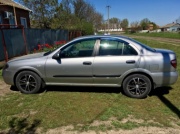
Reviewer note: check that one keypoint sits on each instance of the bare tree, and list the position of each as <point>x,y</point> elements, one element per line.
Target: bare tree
<point>114,23</point>
<point>42,11</point>
<point>124,24</point>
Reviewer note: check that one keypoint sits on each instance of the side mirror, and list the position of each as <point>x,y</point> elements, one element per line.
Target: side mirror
<point>56,56</point>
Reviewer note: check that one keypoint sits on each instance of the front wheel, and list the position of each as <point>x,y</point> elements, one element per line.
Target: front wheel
<point>137,86</point>
<point>28,82</point>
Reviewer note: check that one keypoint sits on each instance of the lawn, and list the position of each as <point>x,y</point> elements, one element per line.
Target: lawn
<point>161,34</point>
<point>82,106</point>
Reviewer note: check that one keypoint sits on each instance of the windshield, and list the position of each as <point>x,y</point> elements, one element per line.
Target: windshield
<point>143,45</point>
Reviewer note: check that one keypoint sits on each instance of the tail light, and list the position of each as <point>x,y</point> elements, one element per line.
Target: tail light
<point>174,63</point>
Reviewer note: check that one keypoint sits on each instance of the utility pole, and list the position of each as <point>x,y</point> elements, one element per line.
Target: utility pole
<point>108,7</point>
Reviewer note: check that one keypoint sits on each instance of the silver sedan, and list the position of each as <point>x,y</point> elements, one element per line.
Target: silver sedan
<point>108,61</point>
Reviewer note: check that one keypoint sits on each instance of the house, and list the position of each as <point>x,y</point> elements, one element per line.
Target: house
<point>150,27</point>
<point>172,27</point>
<point>14,13</point>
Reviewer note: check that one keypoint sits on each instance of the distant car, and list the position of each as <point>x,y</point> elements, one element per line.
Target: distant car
<point>107,61</point>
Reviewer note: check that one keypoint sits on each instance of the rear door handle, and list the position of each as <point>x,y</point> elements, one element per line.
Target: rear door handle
<point>130,61</point>
<point>87,63</point>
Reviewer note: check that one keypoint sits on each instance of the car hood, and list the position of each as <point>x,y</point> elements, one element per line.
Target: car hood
<point>29,56</point>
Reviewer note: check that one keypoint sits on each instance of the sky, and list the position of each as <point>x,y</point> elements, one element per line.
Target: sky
<point>161,12</point>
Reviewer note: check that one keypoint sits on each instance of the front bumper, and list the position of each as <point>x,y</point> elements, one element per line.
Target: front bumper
<point>8,76</point>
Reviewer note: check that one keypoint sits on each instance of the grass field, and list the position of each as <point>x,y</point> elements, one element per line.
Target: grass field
<point>81,106</point>
<point>162,35</point>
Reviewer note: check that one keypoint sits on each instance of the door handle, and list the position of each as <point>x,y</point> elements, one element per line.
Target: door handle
<point>130,61</point>
<point>87,63</point>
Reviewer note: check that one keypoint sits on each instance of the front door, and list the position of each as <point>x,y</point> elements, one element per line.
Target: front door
<point>74,66</point>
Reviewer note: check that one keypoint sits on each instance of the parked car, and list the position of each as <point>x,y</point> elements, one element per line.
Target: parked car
<point>108,61</point>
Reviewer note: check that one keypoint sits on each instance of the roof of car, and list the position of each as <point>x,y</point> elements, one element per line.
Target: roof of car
<point>103,36</point>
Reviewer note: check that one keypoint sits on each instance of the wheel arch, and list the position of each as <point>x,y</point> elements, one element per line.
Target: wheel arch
<point>143,73</point>
<point>15,76</point>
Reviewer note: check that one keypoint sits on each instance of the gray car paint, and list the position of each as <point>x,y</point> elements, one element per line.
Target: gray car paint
<point>104,70</point>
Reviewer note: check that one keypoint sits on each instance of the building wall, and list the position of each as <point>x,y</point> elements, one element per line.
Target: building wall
<point>19,13</point>
<point>174,28</point>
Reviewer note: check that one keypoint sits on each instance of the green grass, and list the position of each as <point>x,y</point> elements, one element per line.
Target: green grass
<point>161,34</point>
<point>81,108</point>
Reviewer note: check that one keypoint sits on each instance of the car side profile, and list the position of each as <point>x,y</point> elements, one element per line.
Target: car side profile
<point>107,61</point>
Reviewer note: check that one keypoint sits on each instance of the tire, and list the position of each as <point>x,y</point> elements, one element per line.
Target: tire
<point>137,86</point>
<point>28,82</point>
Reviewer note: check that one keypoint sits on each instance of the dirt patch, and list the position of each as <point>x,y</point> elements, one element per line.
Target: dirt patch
<point>4,88</point>
<point>140,130</point>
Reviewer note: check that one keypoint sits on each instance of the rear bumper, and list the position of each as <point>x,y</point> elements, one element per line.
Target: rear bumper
<point>164,78</point>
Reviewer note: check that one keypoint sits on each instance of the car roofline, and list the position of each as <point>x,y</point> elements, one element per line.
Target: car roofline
<point>101,36</point>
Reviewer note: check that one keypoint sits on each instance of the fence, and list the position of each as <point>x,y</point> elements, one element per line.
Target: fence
<point>16,42</point>
<point>37,37</point>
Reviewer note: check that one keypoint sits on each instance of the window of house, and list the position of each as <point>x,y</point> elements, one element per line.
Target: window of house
<point>24,22</point>
<point>113,48</point>
<point>12,21</point>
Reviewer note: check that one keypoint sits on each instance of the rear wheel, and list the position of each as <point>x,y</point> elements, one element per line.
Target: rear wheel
<point>137,86</point>
<point>28,82</point>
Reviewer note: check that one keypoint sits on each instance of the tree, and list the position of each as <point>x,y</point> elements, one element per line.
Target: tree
<point>86,12</point>
<point>67,14</point>
<point>97,21</point>
<point>67,6</point>
<point>155,26</point>
<point>145,23</point>
<point>124,24</point>
<point>42,11</point>
<point>135,26</point>
<point>63,18</point>
<point>114,23</point>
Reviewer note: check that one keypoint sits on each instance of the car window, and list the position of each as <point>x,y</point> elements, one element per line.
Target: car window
<point>113,48</point>
<point>79,49</point>
<point>128,50</point>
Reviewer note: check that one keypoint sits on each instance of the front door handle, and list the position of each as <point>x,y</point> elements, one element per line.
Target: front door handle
<point>87,63</point>
<point>130,61</point>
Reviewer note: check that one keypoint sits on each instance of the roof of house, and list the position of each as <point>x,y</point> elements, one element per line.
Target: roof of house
<point>170,25</point>
<point>14,3</point>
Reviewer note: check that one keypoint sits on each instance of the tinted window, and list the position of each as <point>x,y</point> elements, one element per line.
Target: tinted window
<point>79,49</point>
<point>112,47</point>
<point>128,50</point>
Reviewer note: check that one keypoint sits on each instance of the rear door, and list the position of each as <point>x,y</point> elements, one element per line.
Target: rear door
<point>114,57</point>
